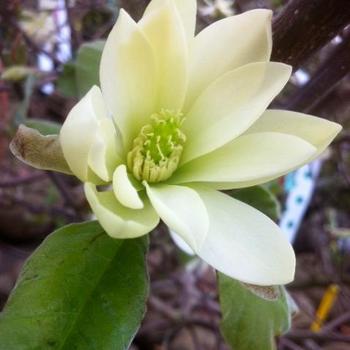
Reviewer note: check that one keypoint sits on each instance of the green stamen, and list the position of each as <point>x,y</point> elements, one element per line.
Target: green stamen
<point>157,149</point>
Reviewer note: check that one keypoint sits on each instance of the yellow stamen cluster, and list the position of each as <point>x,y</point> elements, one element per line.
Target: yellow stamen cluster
<point>157,149</point>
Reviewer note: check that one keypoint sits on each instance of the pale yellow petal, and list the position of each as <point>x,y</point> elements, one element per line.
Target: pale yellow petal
<point>317,131</point>
<point>182,210</point>
<point>106,150</point>
<point>80,132</point>
<point>230,105</point>
<point>249,158</point>
<point>128,76</point>
<point>124,190</point>
<point>164,30</point>
<point>187,10</point>
<point>243,243</point>
<point>118,221</point>
<point>226,45</point>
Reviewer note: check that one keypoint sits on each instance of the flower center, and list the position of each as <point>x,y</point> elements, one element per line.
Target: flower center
<point>157,149</point>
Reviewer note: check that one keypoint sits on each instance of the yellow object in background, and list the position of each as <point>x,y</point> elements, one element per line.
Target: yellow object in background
<point>327,302</point>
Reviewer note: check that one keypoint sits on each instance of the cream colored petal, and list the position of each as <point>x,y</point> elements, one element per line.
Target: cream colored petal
<point>230,105</point>
<point>128,76</point>
<point>118,221</point>
<point>124,189</point>
<point>243,243</point>
<point>226,45</point>
<point>317,131</point>
<point>252,157</point>
<point>187,10</point>
<point>182,210</point>
<point>106,150</point>
<point>164,30</point>
<point>181,243</point>
<point>78,133</point>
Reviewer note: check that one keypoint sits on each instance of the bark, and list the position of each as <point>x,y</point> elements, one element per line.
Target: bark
<point>304,26</point>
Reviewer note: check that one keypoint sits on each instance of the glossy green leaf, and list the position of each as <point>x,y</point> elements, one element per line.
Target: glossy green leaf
<point>80,290</point>
<point>87,66</point>
<point>252,316</point>
<point>259,198</point>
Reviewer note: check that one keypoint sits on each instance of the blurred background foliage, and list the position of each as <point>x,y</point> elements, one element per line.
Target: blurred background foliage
<point>183,307</point>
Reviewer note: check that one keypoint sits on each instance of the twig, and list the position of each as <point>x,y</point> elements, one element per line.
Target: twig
<point>321,336</point>
<point>21,181</point>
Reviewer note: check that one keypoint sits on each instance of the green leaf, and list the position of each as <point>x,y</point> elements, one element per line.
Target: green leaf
<point>80,290</point>
<point>17,73</point>
<point>259,198</point>
<point>66,82</point>
<point>252,316</point>
<point>87,66</point>
<point>45,127</point>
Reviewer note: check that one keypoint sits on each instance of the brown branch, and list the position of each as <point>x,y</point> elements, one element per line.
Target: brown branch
<point>328,75</point>
<point>304,26</point>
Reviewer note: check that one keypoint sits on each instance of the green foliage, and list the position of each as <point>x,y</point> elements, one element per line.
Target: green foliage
<point>252,316</point>
<point>45,127</point>
<point>66,83</point>
<point>80,290</point>
<point>87,66</point>
<point>259,198</point>
<point>77,78</point>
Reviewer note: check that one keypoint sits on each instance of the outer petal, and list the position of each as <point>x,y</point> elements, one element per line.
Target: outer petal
<point>181,243</point>
<point>128,76</point>
<point>317,131</point>
<point>124,190</point>
<point>226,45</point>
<point>187,10</point>
<point>250,157</point>
<point>118,221</point>
<point>106,151</point>
<point>84,132</point>
<point>243,243</point>
<point>230,105</point>
<point>165,32</point>
<point>182,210</point>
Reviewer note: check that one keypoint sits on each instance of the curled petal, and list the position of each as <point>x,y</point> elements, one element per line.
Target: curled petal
<point>118,221</point>
<point>83,138</point>
<point>124,190</point>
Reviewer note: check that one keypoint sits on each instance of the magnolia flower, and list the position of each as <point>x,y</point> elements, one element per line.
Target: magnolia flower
<point>179,117</point>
